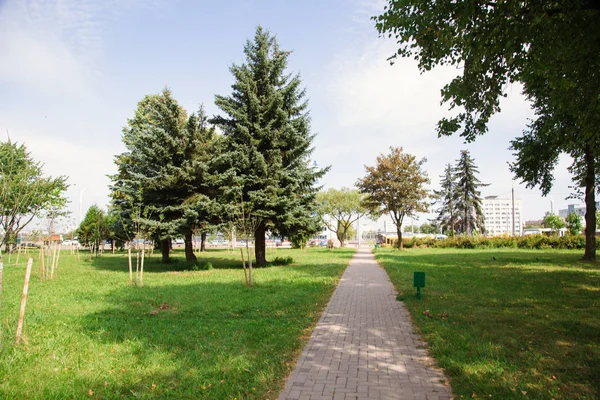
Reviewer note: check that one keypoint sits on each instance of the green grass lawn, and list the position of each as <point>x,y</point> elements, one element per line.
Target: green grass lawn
<point>185,334</point>
<point>506,324</point>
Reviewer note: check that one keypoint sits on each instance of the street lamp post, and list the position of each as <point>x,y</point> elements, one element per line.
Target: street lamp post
<point>81,204</point>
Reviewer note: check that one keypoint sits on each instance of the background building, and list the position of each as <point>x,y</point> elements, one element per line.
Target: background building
<point>579,210</point>
<point>498,215</point>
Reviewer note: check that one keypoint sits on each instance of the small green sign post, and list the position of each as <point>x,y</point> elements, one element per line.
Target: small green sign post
<point>419,282</point>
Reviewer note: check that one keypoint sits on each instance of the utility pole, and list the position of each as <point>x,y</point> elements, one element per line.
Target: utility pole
<point>81,204</point>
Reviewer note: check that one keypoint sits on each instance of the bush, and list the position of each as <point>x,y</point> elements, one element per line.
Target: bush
<point>203,266</point>
<point>541,242</point>
<point>569,242</point>
<point>282,261</point>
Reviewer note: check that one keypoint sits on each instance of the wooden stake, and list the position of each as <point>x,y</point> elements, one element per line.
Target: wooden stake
<point>24,300</point>
<point>53,261</point>
<point>43,264</point>
<point>48,260</point>
<point>142,267</point>
<point>244,265</point>
<point>249,264</point>
<point>18,253</point>
<point>58,256</point>
<point>77,248</point>
<point>130,270</point>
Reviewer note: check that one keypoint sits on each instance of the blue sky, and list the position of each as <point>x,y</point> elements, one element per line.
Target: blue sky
<point>72,72</point>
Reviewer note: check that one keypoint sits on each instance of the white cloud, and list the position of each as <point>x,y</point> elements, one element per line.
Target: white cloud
<point>374,105</point>
<point>35,53</point>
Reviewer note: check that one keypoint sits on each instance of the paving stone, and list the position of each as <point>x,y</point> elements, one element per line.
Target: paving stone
<point>364,346</point>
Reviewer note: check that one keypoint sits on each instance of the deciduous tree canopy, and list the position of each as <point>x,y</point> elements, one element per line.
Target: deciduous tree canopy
<point>551,47</point>
<point>24,191</point>
<point>340,208</point>
<point>395,186</point>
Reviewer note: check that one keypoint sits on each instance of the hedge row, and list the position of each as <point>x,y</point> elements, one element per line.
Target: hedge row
<point>521,242</point>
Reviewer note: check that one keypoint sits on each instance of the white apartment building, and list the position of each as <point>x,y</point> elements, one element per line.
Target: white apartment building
<point>498,215</point>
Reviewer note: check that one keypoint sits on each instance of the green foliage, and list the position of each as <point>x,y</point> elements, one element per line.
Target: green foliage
<point>429,229</point>
<point>549,47</point>
<point>553,222</point>
<point>340,208</point>
<point>410,228</point>
<point>348,229</point>
<point>282,261</point>
<point>93,230</point>
<point>116,231</point>
<point>468,196</point>
<point>25,193</point>
<point>395,186</point>
<point>446,197</point>
<point>164,175</point>
<point>574,224</point>
<point>202,266</point>
<point>540,242</point>
<point>506,323</point>
<point>267,145</point>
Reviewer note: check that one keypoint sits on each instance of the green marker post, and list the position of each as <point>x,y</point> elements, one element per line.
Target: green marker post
<point>419,282</point>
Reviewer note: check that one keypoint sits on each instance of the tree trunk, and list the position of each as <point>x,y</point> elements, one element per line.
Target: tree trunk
<point>590,207</point>
<point>340,237</point>
<point>189,248</point>
<point>399,233</point>
<point>203,242</point>
<point>165,248</point>
<point>260,245</point>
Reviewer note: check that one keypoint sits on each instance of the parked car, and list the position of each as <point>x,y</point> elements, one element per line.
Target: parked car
<point>29,245</point>
<point>178,241</point>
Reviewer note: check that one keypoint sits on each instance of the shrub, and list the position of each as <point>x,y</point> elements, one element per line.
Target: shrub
<point>282,261</point>
<point>203,266</point>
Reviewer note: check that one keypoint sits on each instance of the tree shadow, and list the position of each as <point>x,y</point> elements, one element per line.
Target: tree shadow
<point>203,340</point>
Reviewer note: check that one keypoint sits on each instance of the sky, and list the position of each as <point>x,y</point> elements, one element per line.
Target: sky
<point>72,72</point>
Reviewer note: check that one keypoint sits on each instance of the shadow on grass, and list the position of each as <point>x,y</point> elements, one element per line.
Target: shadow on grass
<point>504,323</point>
<point>212,340</point>
<point>219,259</point>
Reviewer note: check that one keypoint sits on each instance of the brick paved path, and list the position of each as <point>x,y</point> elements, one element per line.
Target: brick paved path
<point>364,346</point>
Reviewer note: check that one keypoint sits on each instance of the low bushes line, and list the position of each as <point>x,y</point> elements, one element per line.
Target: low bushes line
<point>522,242</point>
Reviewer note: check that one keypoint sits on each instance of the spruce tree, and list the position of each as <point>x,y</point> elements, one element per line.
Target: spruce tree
<point>468,196</point>
<point>447,198</point>
<point>265,160</point>
<point>161,170</point>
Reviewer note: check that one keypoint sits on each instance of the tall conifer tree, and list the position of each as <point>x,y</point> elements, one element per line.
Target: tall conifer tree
<point>447,197</point>
<point>267,144</point>
<point>468,200</point>
<point>161,169</point>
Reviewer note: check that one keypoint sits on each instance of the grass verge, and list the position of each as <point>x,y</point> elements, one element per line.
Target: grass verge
<point>508,324</point>
<point>184,334</point>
